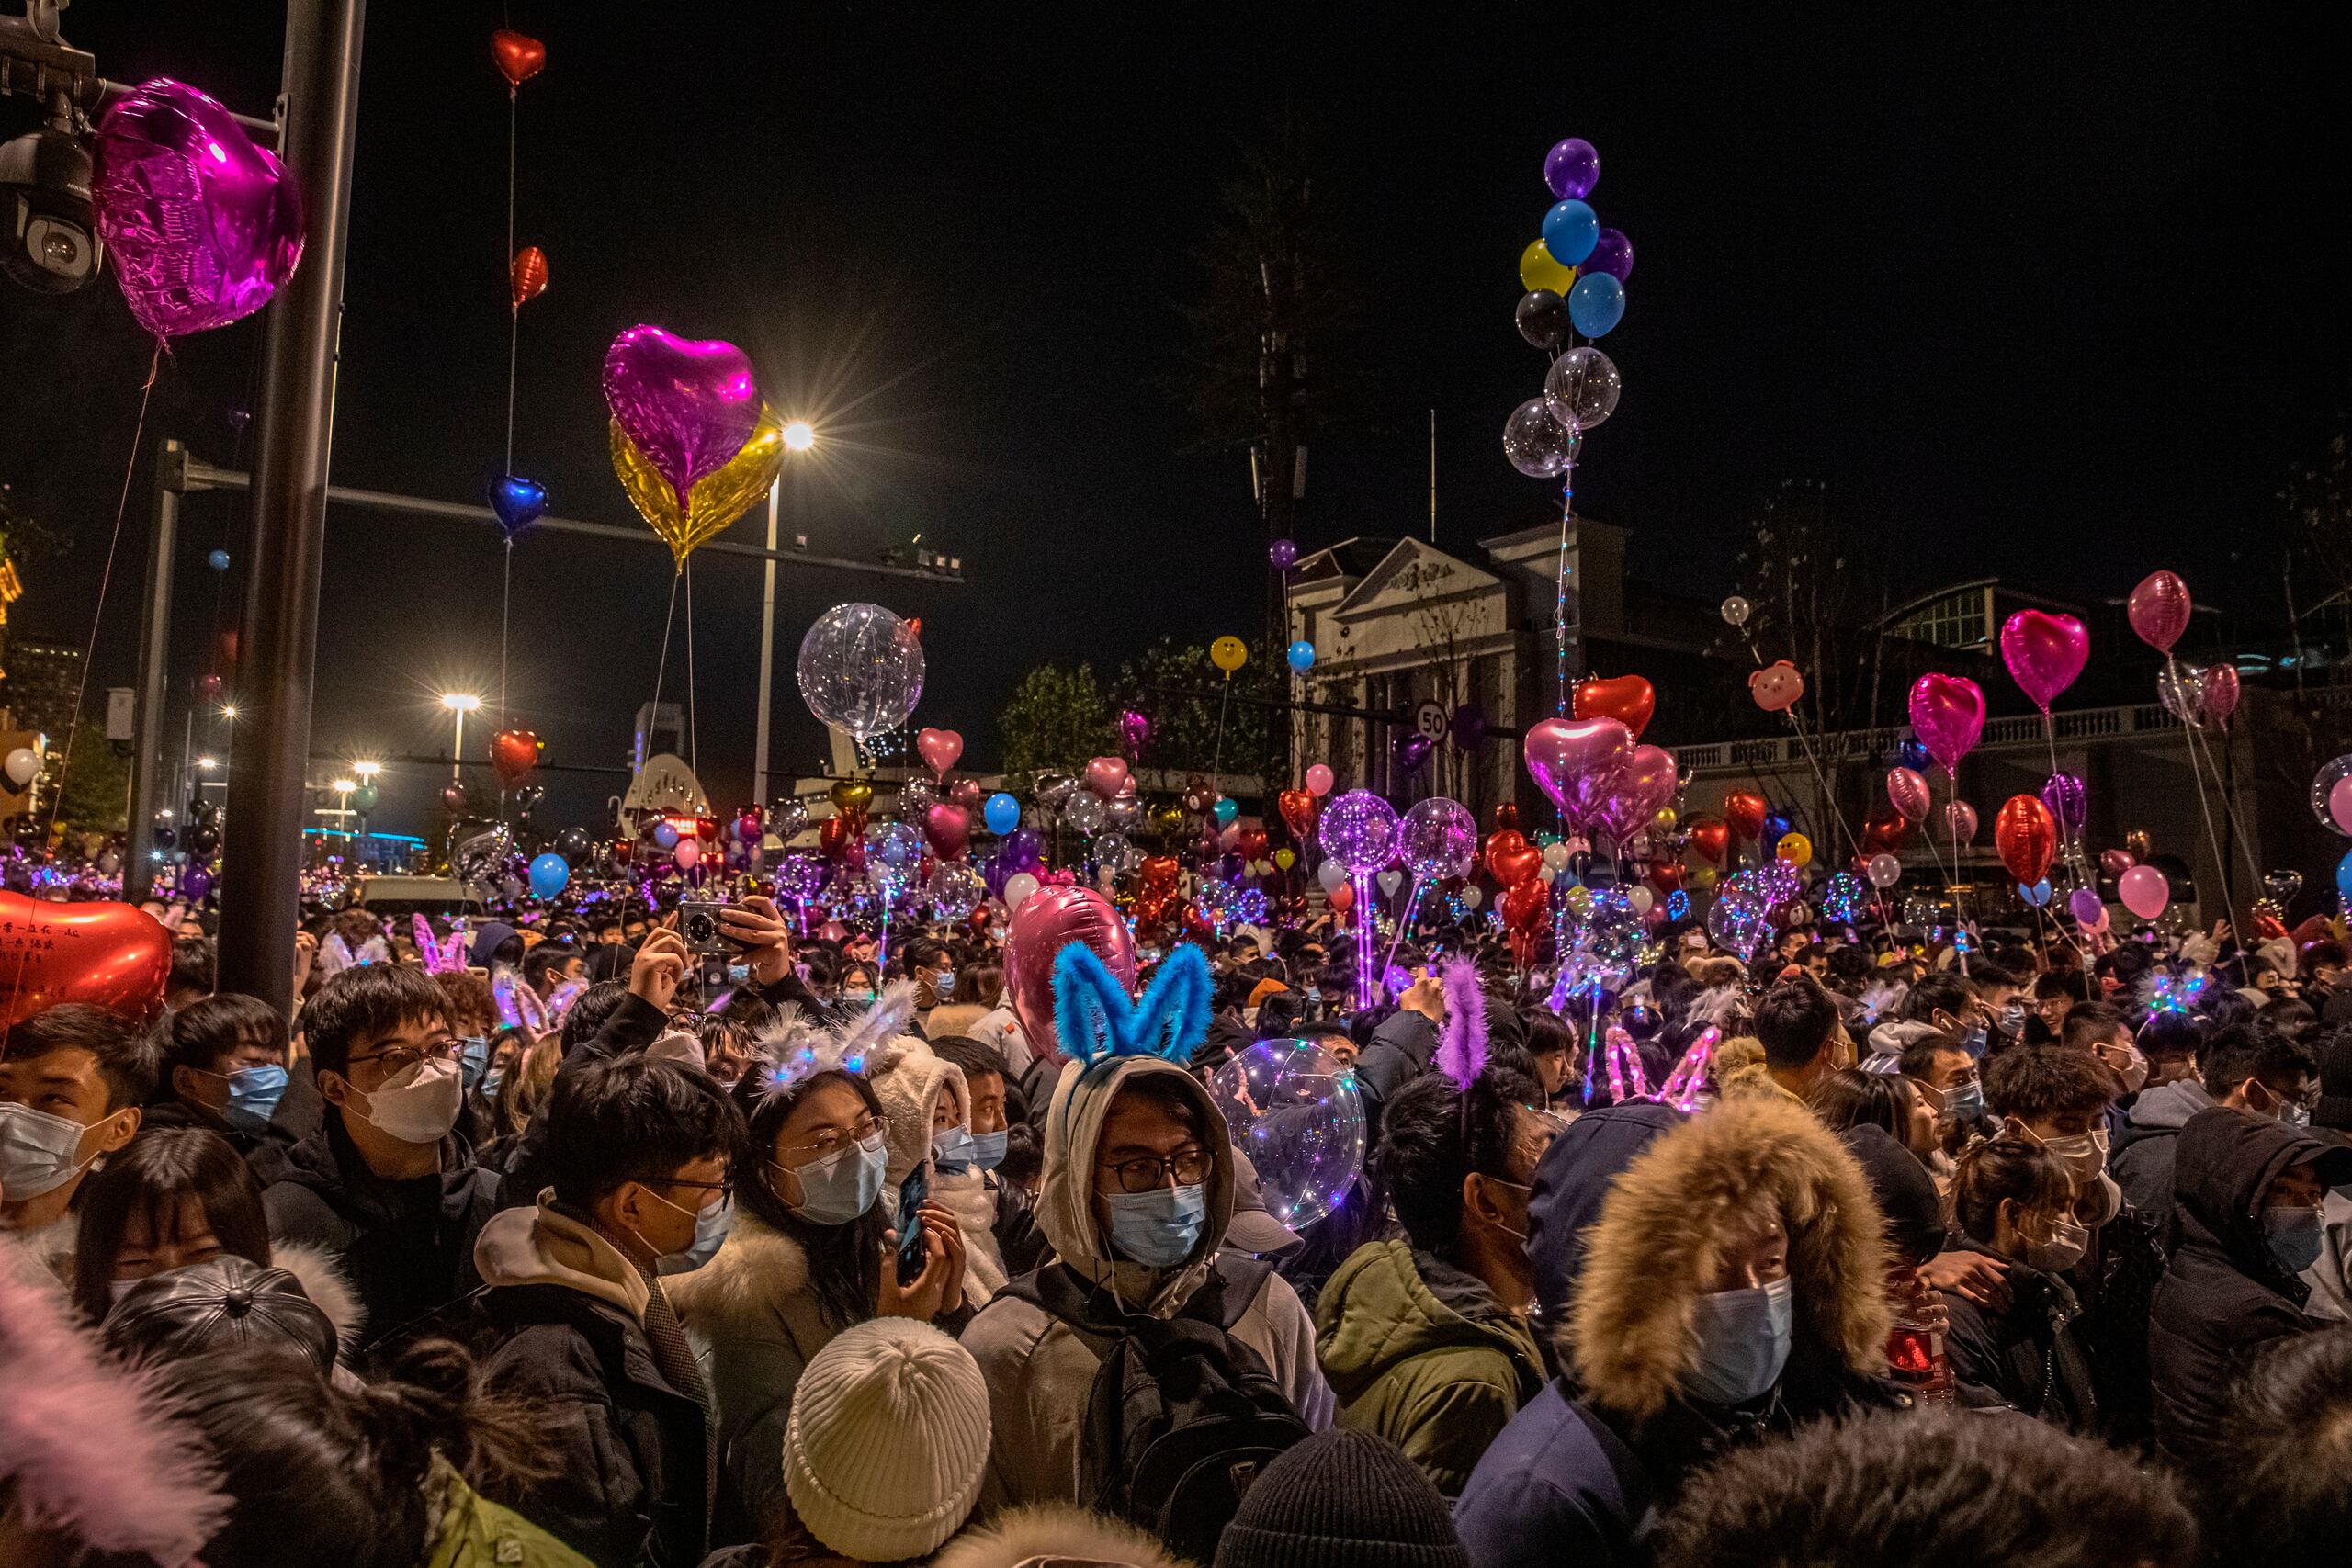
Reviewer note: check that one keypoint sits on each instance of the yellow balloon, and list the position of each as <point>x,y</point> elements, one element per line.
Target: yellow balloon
<point>1284,860</point>
<point>1705,875</point>
<point>716,498</point>
<point>1538,270</point>
<point>1228,654</point>
<point>1665,819</point>
<point>1795,849</point>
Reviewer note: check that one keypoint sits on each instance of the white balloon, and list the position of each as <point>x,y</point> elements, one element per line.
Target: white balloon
<point>1556,856</point>
<point>1331,875</point>
<point>1018,888</point>
<point>23,765</point>
<point>1389,882</point>
<point>1472,896</point>
<point>1641,898</point>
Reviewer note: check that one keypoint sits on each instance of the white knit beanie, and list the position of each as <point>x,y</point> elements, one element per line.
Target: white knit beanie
<point>887,1439</point>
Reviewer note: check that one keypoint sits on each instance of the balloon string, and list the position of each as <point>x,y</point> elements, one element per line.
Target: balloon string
<point>662,668</point>
<point>2213,839</point>
<point>1412,907</point>
<point>514,309</point>
<point>2228,813</point>
<point>694,733</point>
<point>1821,781</point>
<point>505,598</point>
<point>1560,583</point>
<point>1216,753</point>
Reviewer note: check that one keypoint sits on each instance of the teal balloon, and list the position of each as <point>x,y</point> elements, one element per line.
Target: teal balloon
<point>548,874</point>
<point>1301,655</point>
<point>2344,878</point>
<point>1227,810</point>
<point>1002,813</point>
<point>1596,304</point>
<point>1570,230</point>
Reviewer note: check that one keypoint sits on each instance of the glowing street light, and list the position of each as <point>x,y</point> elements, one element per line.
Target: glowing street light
<point>459,704</point>
<point>367,770</point>
<point>799,435</point>
<point>230,711</point>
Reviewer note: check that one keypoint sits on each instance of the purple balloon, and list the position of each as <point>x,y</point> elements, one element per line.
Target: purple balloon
<point>1284,554</point>
<point>1468,725</point>
<point>1412,751</point>
<point>1611,254</point>
<point>2068,799</point>
<point>1023,849</point>
<point>195,883</point>
<point>1358,830</point>
<point>204,225</point>
<point>688,405</point>
<point>1572,168</point>
<point>2086,905</point>
<point>1136,728</point>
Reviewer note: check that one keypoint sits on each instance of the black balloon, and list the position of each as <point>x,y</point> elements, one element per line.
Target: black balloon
<point>1542,317</point>
<point>165,838</point>
<point>574,845</point>
<point>203,842</point>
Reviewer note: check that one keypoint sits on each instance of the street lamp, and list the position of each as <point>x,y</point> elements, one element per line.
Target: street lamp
<point>342,788</point>
<point>799,435</point>
<point>459,704</point>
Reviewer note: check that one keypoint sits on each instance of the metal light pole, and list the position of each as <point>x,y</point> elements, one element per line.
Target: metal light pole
<point>154,658</point>
<point>459,704</point>
<point>798,437</point>
<point>269,753</point>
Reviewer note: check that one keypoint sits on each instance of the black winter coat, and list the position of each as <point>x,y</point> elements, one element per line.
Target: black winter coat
<point>1399,1052</point>
<point>2224,1297</point>
<point>634,1025</point>
<point>631,1453</point>
<point>2027,1357</point>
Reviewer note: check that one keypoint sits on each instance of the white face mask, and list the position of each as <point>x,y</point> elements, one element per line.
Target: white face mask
<point>417,1105</point>
<point>2084,1154</point>
<point>1743,1338</point>
<point>2135,1071</point>
<point>38,1151</point>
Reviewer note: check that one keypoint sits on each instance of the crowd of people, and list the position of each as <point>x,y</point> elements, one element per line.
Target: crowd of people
<point>811,1253</point>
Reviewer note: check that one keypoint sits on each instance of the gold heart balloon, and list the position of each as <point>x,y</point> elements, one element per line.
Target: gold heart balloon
<point>851,796</point>
<point>716,498</point>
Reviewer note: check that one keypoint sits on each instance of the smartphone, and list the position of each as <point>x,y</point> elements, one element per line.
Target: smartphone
<point>913,1242</point>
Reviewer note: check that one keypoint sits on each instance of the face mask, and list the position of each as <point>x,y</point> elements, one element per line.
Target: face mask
<point>417,1105</point>
<point>2067,1243</point>
<point>254,1093</point>
<point>2293,1235</point>
<point>943,982</point>
<point>1964,1102</point>
<point>491,1082</point>
<point>837,1189</point>
<point>2298,1116</point>
<point>988,1149</point>
<point>951,1150</point>
<point>1159,1228</point>
<point>473,1059</point>
<point>737,973</point>
<point>118,1289</point>
<point>1743,1343</point>
<point>1972,1041</point>
<point>857,994</point>
<point>2013,1019</point>
<point>2084,1154</point>
<point>2135,1071</point>
<point>37,1151</point>
<point>710,1229</point>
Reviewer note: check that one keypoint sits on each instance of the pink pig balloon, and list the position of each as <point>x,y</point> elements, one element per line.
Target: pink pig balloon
<point>1908,792</point>
<point>1579,763</point>
<point>2159,609</point>
<point>1948,711</point>
<point>940,748</point>
<point>2044,653</point>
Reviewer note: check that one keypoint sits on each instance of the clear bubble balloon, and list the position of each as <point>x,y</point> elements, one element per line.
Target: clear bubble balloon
<point>1115,854</point>
<point>956,889</point>
<point>1085,813</point>
<point>2323,784</point>
<point>1738,922</point>
<point>1537,444</point>
<point>861,670</point>
<point>893,855</point>
<point>1294,1109</point>
<point>1359,831</point>
<point>1736,610</point>
<point>1438,838</point>
<point>1581,390</point>
<point>1885,871</point>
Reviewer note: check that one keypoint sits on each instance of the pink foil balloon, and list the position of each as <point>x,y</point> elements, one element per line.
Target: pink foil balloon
<point>2144,890</point>
<point>2222,693</point>
<point>1050,921</point>
<point>204,225</point>
<point>947,828</point>
<point>2115,863</point>
<point>688,405</point>
<point>2044,653</point>
<point>2159,612</point>
<point>1649,782</point>
<point>940,748</point>
<point>1105,775</point>
<point>1948,711</point>
<point>1579,763</point>
<point>1960,821</point>
<point>1318,780</point>
<point>1908,792</point>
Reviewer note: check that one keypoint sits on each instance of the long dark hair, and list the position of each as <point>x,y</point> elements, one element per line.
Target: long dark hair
<point>844,1261</point>
<point>150,1176</point>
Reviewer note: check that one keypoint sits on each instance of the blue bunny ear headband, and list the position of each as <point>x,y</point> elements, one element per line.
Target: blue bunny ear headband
<point>1098,1024</point>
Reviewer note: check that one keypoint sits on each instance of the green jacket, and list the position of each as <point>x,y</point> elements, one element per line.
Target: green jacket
<point>1422,1354</point>
<point>467,1531</point>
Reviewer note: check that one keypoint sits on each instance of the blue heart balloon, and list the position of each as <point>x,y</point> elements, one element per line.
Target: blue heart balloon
<point>517,501</point>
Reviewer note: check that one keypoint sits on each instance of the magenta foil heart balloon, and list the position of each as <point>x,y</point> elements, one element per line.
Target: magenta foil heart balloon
<point>1948,711</point>
<point>688,405</point>
<point>2044,653</point>
<point>1579,763</point>
<point>203,224</point>
<point>1648,781</point>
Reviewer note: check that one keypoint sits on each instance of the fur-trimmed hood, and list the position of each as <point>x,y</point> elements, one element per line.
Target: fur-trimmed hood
<point>1659,1243</point>
<point>907,1084</point>
<point>1020,1535</point>
<point>756,1271</point>
<point>323,1283</point>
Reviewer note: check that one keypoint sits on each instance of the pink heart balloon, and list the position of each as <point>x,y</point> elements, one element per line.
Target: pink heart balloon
<point>1908,792</point>
<point>1948,712</point>
<point>1105,775</point>
<point>947,828</point>
<point>1649,782</point>
<point>2044,653</point>
<point>1960,821</point>
<point>204,225</point>
<point>1579,763</point>
<point>2220,693</point>
<point>940,748</point>
<point>688,405</point>
<point>2158,610</point>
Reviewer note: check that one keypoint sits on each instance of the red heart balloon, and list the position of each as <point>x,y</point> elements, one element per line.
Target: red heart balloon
<point>1342,899</point>
<point>2027,836</point>
<point>1510,859</point>
<point>1505,816</point>
<point>833,837</point>
<point>1160,873</point>
<point>527,277</point>
<point>1710,835</point>
<point>1297,809</point>
<point>947,828</point>
<point>514,753</point>
<point>109,955</point>
<point>1744,811</point>
<point>965,793</point>
<point>1628,699</point>
<point>520,57</point>
<point>1524,905</point>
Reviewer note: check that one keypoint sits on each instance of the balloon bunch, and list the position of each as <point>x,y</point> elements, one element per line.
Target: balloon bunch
<point>692,440</point>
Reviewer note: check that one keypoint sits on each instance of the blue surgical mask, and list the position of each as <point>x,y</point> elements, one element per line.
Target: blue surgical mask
<point>710,1229</point>
<point>1744,1339</point>
<point>943,982</point>
<point>2293,1235</point>
<point>951,1150</point>
<point>839,1187</point>
<point>988,1149</point>
<point>473,1059</point>
<point>254,1093</point>
<point>737,973</point>
<point>491,1082</point>
<point>1159,1228</point>
<point>1972,1041</point>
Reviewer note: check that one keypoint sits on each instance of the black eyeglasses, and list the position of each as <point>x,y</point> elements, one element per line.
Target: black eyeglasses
<point>1146,1172</point>
<point>400,1058</point>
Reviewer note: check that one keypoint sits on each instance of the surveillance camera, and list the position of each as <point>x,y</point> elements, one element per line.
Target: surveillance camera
<point>48,241</point>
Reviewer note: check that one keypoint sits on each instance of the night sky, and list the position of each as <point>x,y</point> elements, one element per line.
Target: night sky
<point>2052,297</point>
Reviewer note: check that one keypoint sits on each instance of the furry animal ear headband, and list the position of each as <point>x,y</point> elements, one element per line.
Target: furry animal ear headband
<point>439,957</point>
<point>1098,1024</point>
<point>795,1047</point>
<point>1462,1042</point>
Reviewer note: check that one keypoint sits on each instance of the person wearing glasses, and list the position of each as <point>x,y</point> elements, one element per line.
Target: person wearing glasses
<point>382,1183</point>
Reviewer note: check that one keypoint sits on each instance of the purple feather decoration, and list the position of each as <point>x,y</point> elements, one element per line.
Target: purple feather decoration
<point>1462,1040</point>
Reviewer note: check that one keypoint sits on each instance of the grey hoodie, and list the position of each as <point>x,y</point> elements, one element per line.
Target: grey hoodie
<point>2142,1160</point>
